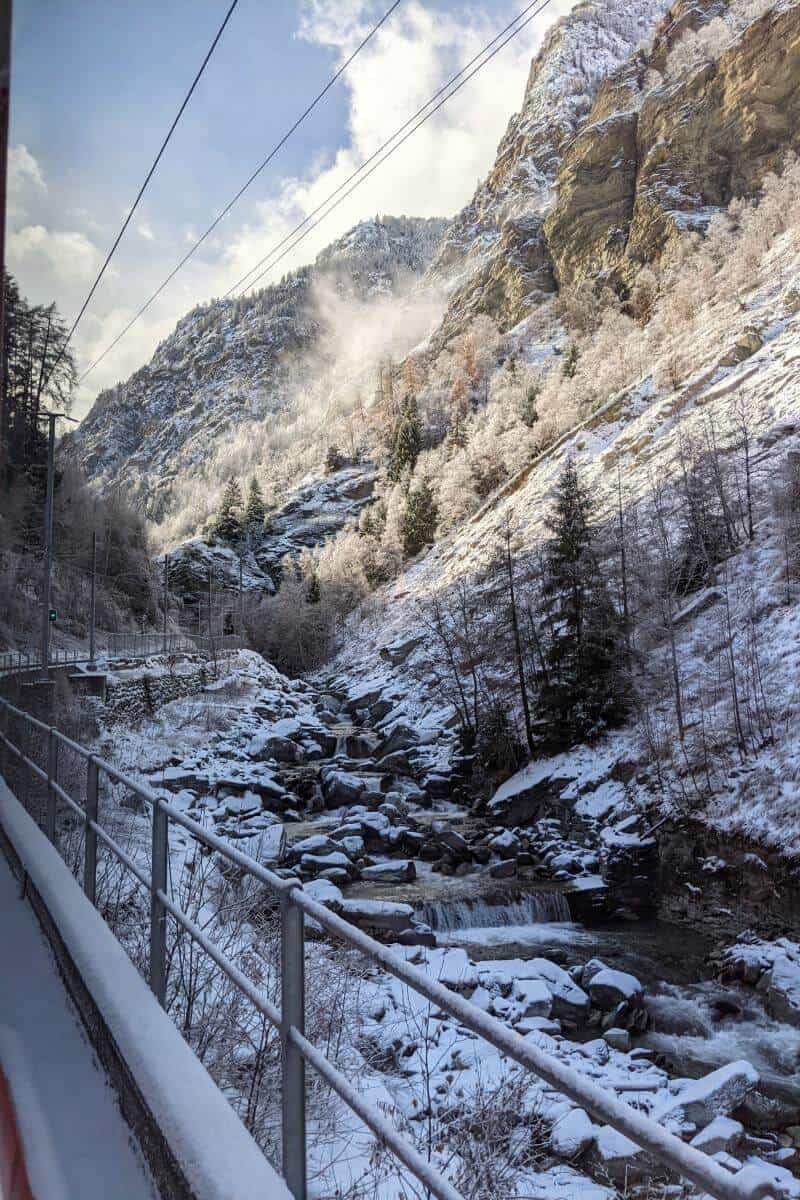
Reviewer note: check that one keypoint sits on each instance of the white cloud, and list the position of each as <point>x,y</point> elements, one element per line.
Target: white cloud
<point>337,22</point>
<point>63,256</point>
<point>433,174</point>
<point>26,182</point>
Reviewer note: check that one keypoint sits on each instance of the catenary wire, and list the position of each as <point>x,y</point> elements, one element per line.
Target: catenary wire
<point>179,266</point>
<point>142,189</point>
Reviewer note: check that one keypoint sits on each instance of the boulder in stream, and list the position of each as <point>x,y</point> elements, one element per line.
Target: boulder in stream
<point>715,1095</point>
<point>402,871</point>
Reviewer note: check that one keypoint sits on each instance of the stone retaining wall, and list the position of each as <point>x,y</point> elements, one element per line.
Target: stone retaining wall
<point>141,695</point>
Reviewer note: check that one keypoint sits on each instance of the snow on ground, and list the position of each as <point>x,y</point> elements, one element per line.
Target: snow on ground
<point>431,1077</point>
<point>760,798</point>
<point>90,1150</point>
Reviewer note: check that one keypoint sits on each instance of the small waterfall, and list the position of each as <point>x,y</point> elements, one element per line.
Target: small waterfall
<point>531,908</point>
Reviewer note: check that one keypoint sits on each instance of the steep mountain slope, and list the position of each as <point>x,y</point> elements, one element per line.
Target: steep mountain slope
<point>616,150</point>
<point>495,249</point>
<point>645,434</point>
<point>231,364</point>
<point>705,373</point>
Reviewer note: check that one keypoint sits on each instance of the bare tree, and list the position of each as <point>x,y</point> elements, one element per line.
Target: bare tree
<point>509,568</point>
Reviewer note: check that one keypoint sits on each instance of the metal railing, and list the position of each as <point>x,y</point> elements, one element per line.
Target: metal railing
<point>29,660</point>
<point>123,645</point>
<point>297,1051</point>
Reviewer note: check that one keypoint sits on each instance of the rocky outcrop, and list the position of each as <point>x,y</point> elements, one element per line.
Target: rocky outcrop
<point>602,184</point>
<point>715,134</point>
<point>649,164</point>
<point>495,250</point>
<point>587,229</point>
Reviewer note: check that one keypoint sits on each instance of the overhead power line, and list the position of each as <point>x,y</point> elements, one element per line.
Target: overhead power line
<point>539,5</point>
<point>143,188</point>
<point>306,112</point>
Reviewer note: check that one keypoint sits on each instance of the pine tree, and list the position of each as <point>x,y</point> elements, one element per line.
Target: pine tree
<point>314,591</point>
<point>418,523</point>
<point>570,364</point>
<point>528,410</point>
<point>407,441</point>
<point>228,525</point>
<point>334,460</point>
<point>254,512</point>
<point>581,687</point>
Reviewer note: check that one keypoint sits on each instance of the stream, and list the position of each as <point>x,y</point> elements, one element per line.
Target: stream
<point>367,813</point>
<point>697,1024</point>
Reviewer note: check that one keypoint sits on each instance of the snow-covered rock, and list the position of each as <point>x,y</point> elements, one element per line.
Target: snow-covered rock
<point>715,1095</point>
<point>608,988</point>
<point>570,1002</point>
<point>533,997</point>
<point>721,1134</point>
<point>393,871</point>
<point>572,1134</point>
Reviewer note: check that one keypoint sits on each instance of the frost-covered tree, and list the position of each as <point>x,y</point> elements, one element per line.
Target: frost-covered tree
<point>39,372</point>
<point>570,364</point>
<point>228,523</point>
<point>407,441</point>
<point>529,413</point>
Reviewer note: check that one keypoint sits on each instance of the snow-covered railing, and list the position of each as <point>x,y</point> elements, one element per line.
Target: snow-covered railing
<point>26,660</point>
<point>122,645</point>
<point>141,645</point>
<point>217,645</point>
<point>298,1052</point>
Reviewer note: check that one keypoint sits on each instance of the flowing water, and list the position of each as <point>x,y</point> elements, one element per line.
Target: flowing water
<point>524,908</point>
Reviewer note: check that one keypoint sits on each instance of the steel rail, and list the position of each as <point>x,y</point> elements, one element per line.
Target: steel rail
<point>386,1133</point>
<point>261,1002</point>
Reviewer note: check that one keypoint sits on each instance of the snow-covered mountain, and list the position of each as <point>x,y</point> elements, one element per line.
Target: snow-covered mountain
<point>231,364</point>
<point>615,151</point>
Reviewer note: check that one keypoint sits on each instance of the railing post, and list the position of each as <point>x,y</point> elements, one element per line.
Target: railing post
<point>52,777</point>
<point>158,915</point>
<point>90,841</point>
<point>293,1080</point>
<point>4,754</point>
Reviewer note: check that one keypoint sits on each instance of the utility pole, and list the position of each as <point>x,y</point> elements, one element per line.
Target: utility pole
<point>5,104</point>
<point>48,540</point>
<point>166,597</point>
<point>48,545</point>
<point>93,605</point>
<point>241,601</point>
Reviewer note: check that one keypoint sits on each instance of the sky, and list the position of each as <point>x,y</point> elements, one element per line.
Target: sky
<point>96,83</point>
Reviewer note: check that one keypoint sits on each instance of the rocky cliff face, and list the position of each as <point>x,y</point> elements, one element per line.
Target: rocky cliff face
<point>496,250</point>
<point>231,363</point>
<point>653,162</point>
<point>611,156</point>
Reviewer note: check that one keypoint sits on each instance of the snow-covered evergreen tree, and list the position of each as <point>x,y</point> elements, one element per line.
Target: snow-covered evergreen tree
<point>255,511</point>
<point>228,524</point>
<point>418,523</point>
<point>407,441</point>
<point>580,687</point>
